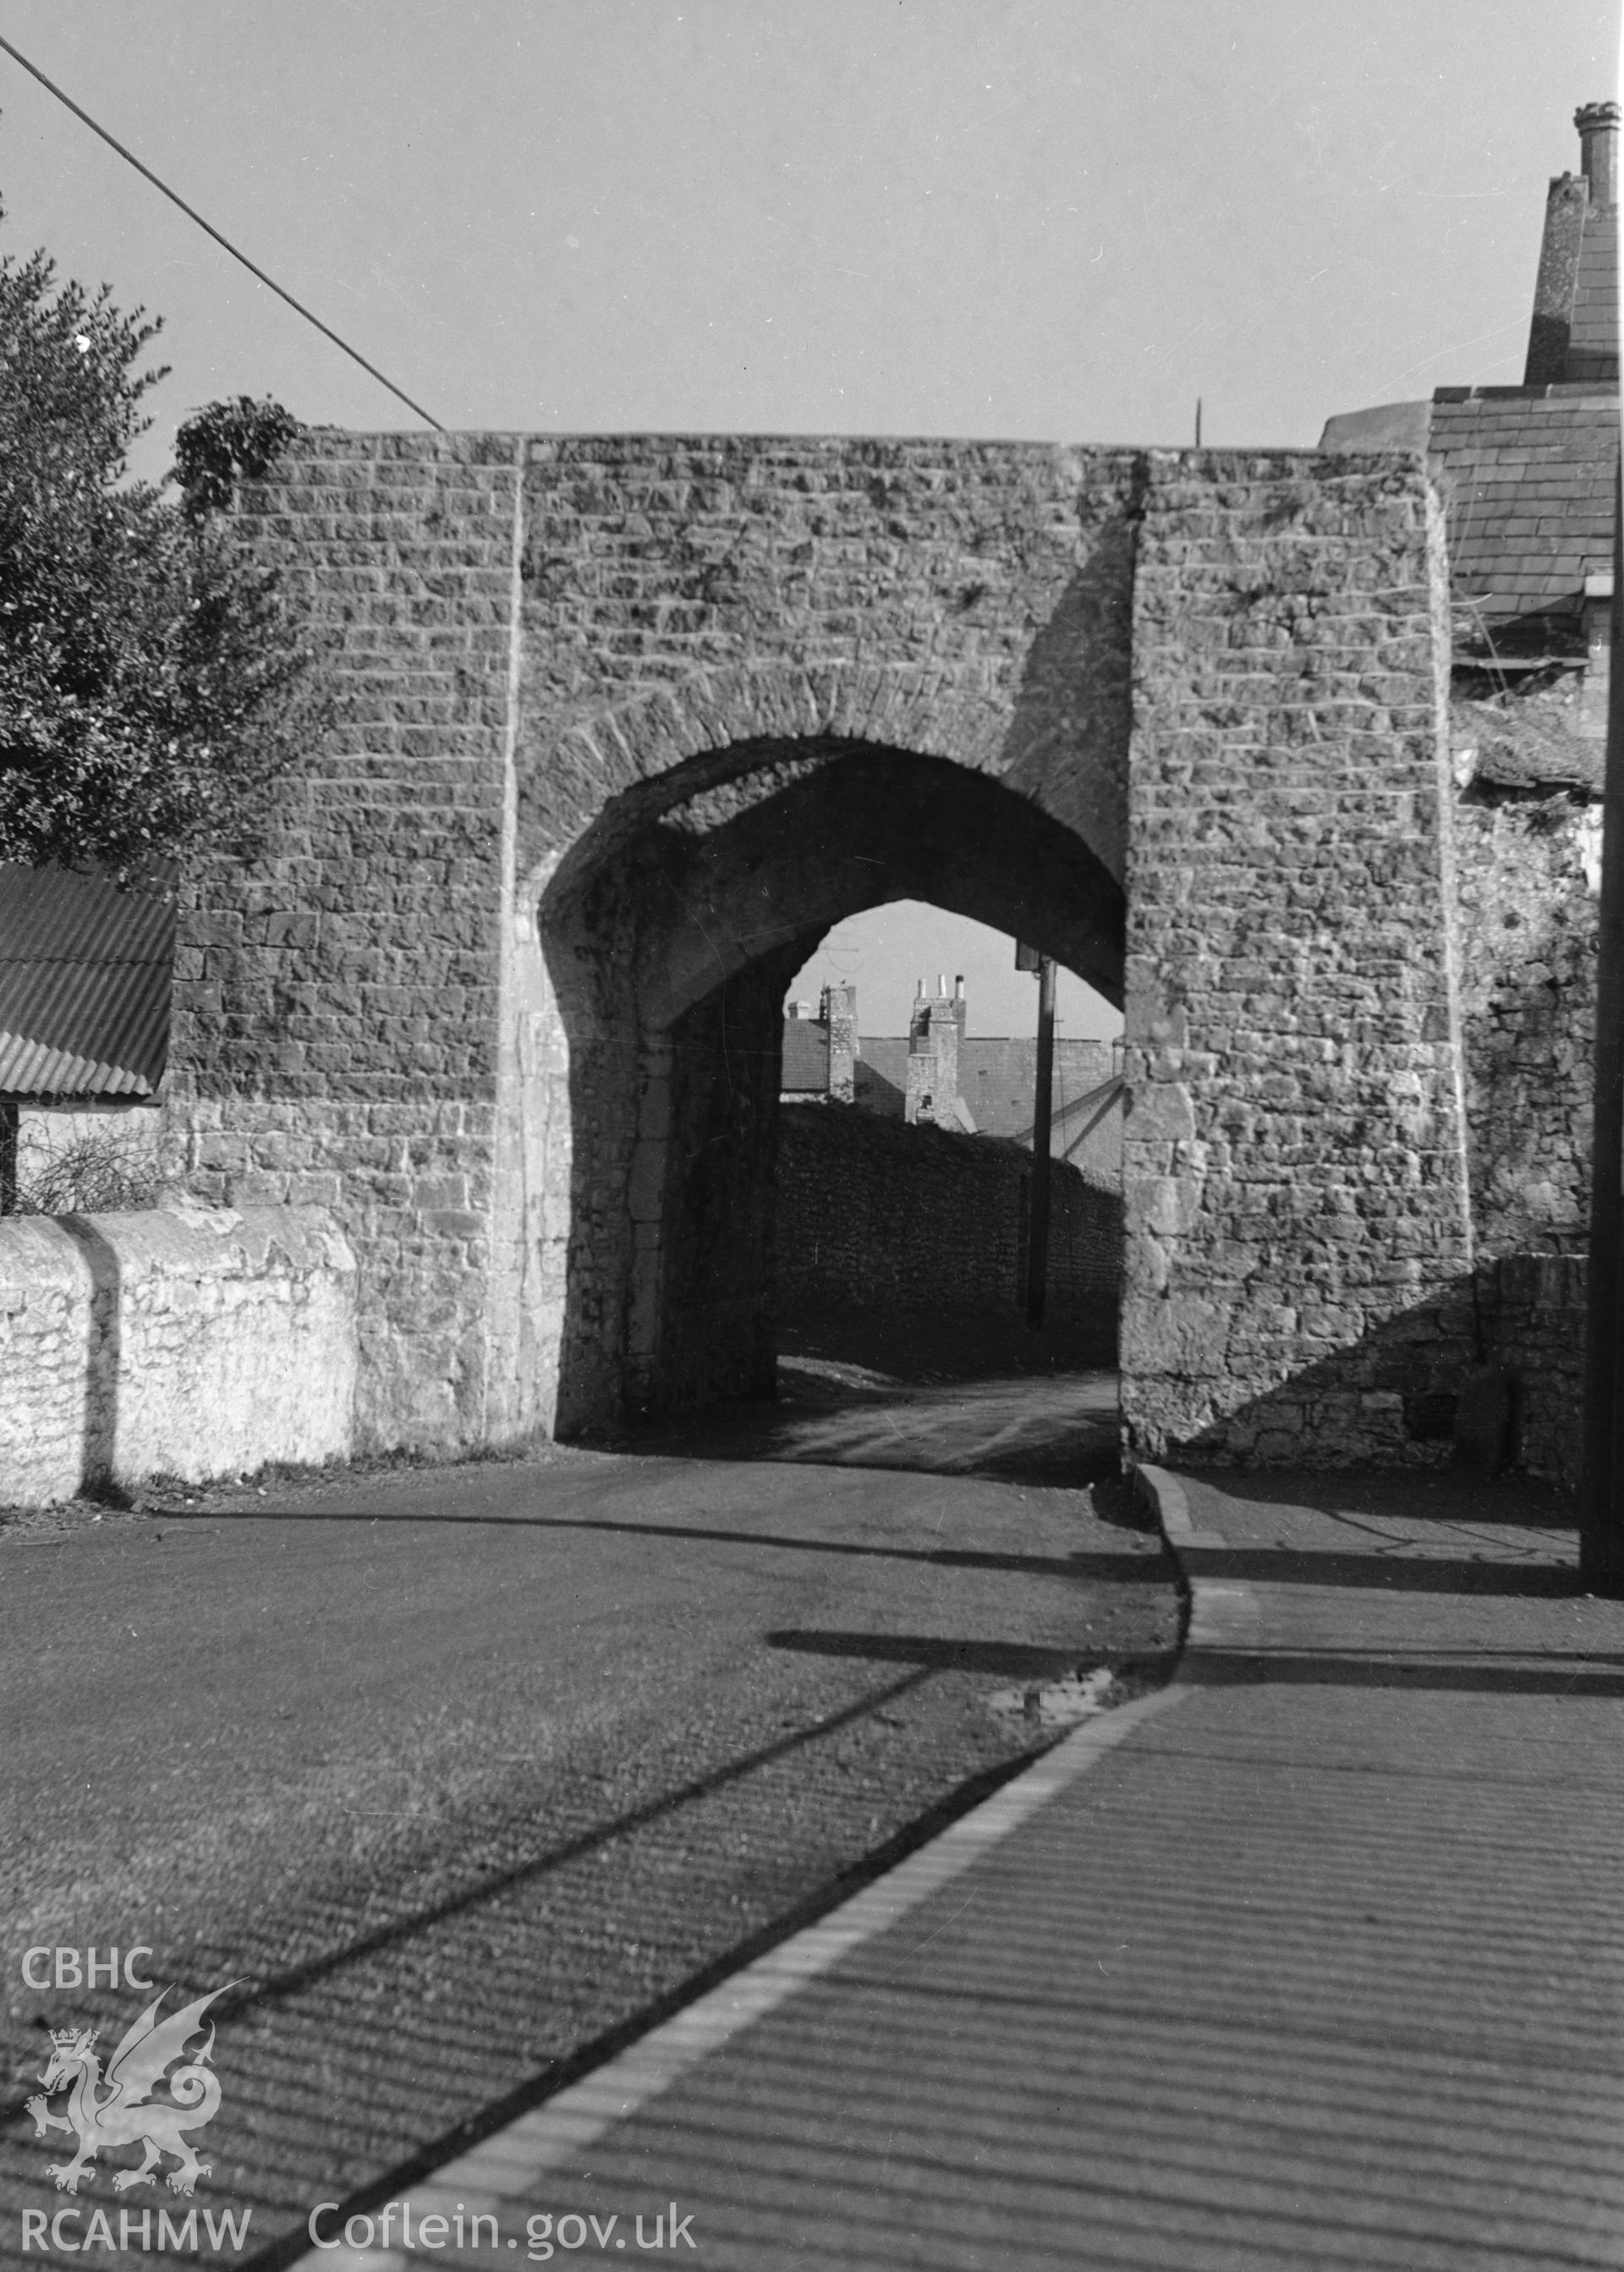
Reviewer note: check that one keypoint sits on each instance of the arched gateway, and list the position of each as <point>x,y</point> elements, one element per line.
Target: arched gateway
<point>626,724</point>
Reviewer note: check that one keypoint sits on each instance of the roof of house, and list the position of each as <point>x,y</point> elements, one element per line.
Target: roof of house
<point>806,1058</point>
<point>85,978</point>
<point>1383,426</point>
<point>1527,474</point>
<point>882,1088</point>
<point>997,1077</point>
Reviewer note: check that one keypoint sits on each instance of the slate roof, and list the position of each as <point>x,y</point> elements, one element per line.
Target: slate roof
<point>997,1079</point>
<point>85,979</point>
<point>1527,472</point>
<point>881,1076</point>
<point>1527,476</point>
<point>806,1058</point>
<point>881,1088</point>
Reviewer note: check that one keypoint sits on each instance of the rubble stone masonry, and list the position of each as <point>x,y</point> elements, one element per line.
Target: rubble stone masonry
<point>336,1009</point>
<point>1528,872</point>
<point>873,1214</point>
<point>626,723</point>
<point>1295,1153</point>
<point>189,1342</point>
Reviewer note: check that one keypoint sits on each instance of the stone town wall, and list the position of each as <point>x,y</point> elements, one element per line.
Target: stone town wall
<point>522,630</point>
<point>1528,873</point>
<point>534,640</point>
<point>875,1214</point>
<point>969,598</point>
<point>192,1343</point>
<point>690,600</point>
<point>1295,1160</point>
<point>336,1027</point>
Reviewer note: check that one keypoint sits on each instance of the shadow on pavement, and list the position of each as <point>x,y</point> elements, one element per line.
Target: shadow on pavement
<point>1565,1674</point>
<point>1441,1494</point>
<point>1393,1571</point>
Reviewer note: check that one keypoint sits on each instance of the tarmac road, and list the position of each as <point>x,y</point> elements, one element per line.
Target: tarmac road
<point>458,1772</point>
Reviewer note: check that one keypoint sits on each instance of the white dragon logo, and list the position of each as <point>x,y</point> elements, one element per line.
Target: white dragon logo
<point>126,2114</point>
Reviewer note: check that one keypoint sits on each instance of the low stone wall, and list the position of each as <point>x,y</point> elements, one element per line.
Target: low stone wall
<point>190,1342</point>
<point>874,1213</point>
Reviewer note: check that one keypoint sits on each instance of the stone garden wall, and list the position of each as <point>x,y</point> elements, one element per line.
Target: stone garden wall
<point>190,1343</point>
<point>873,1214</point>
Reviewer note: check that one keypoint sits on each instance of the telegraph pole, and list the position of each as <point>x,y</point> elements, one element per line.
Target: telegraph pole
<point>1043,1117</point>
<point>1601,1523</point>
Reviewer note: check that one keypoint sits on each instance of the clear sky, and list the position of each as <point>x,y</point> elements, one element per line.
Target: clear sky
<point>1047,219</point>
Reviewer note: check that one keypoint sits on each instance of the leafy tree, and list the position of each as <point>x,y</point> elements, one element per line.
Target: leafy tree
<point>153,682</point>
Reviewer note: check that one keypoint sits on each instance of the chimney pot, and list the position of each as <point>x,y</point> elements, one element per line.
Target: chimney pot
<point>1598,150</point>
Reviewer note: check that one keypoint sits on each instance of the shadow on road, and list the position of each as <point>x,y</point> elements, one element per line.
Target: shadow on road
<point>1000,1660</point>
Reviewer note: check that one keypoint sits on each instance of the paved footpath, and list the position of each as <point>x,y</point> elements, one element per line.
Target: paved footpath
<point>1314,1959</point>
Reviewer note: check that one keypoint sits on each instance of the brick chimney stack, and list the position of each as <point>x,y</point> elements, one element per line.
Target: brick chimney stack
<point>1598,150</point>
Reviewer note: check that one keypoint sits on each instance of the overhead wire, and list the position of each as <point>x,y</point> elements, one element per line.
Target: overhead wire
<point>270,282</point>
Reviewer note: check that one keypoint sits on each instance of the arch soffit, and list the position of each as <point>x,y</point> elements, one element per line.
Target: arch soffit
<point>713,878</point>
<point>922,708</point>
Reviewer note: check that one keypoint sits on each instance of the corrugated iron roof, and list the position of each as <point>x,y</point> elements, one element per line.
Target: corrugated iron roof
<point>85,979</point>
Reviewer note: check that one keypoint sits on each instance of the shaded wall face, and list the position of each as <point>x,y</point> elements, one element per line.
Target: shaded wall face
<point>879,1219</point>
<point>1528,879</point>
<point>669,942</point>
<point>715,1311</point>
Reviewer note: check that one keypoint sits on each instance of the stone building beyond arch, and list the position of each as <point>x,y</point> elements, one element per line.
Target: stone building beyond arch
<point>626,723</point>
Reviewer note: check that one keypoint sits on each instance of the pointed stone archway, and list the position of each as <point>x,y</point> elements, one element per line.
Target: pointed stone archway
<point>627,720</point>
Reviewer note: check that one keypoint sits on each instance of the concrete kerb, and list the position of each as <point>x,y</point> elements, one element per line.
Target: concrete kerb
<point>1224,1613</point>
